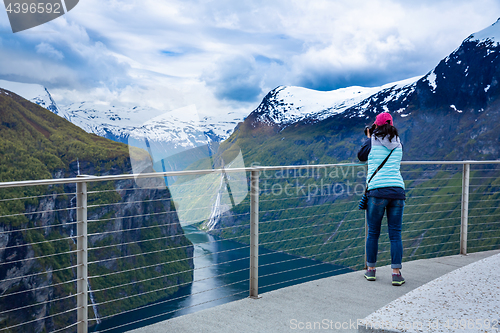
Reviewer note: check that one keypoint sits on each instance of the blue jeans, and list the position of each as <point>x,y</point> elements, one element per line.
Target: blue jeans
<point>374,213</point>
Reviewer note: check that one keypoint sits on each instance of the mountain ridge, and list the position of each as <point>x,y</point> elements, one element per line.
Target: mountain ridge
<point>35,93</point>
<point>290,106</point>
<point>275,110</point>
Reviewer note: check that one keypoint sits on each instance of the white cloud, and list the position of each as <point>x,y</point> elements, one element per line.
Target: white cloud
<point>47,49</point>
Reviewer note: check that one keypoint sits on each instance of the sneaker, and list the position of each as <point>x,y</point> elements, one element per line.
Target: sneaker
<point>370,275</point>
<point>397,279</point>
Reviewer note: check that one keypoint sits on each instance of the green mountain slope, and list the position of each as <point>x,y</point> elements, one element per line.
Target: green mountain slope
<point>37,144</point>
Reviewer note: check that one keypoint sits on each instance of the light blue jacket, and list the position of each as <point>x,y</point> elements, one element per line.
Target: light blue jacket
<point>389,175</point>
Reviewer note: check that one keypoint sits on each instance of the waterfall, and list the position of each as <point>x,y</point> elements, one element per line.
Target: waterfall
<point>216,208</point>
<point>94,306</point>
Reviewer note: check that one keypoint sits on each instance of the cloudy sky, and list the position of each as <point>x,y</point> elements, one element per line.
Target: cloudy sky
<point>226,55</point>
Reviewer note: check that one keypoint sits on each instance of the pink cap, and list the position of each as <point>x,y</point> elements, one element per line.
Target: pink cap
<point>382,119</point>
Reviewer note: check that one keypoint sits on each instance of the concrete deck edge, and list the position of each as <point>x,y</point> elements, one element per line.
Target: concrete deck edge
<point>468,294</point>
<point>341,298</point>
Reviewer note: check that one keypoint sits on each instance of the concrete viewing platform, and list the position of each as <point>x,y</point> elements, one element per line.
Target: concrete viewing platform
<point>448,288</point>
<point>466,300</point>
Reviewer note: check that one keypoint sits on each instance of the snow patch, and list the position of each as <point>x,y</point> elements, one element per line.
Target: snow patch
<point>454,108</point>
<point>431,78</point>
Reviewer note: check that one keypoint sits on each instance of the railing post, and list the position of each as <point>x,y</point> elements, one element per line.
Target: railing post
<point>254,234</point>
<point>81,257</point>
<point>465,208</point>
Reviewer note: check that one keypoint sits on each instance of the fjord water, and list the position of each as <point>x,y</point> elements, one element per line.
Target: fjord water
<point>221,275</point>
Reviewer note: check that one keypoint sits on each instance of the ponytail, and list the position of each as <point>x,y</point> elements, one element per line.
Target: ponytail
<point>386,130</point>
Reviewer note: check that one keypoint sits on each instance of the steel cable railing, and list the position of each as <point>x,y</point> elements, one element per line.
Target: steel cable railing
<point>152,283</point>
<point>36,228</point>
<point>484,213</point>
<point>298,223</point>
<point>421,214</point>
<point>37,257</point>
<point>311,227</point>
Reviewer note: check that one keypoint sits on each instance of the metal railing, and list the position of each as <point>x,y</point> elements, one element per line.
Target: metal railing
<point>295,238</point>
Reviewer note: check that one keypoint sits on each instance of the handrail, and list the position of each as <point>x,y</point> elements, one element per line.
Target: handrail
<point>449,162</point>
<point>87,178</point>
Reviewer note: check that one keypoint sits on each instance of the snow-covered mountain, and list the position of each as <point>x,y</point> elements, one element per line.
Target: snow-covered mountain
<point>177,126</point>
<point>452,112</point>
<point>167,133</point>
<point>467,80</point>
<point>35,93</point>
<point>488,36</point>
<point>163,134</point>
<point>459,82</point>
<point>284,106</point>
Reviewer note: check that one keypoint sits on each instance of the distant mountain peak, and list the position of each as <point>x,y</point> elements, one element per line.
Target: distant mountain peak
<point>489,35</point>
<point>175,130</point>
<point>35,93</point>
<point>287,105</point>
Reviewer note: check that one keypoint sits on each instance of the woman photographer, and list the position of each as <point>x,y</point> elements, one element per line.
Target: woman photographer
<point>385,194</point>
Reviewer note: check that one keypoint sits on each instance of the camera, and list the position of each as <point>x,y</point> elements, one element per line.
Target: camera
<point>369,129</point>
